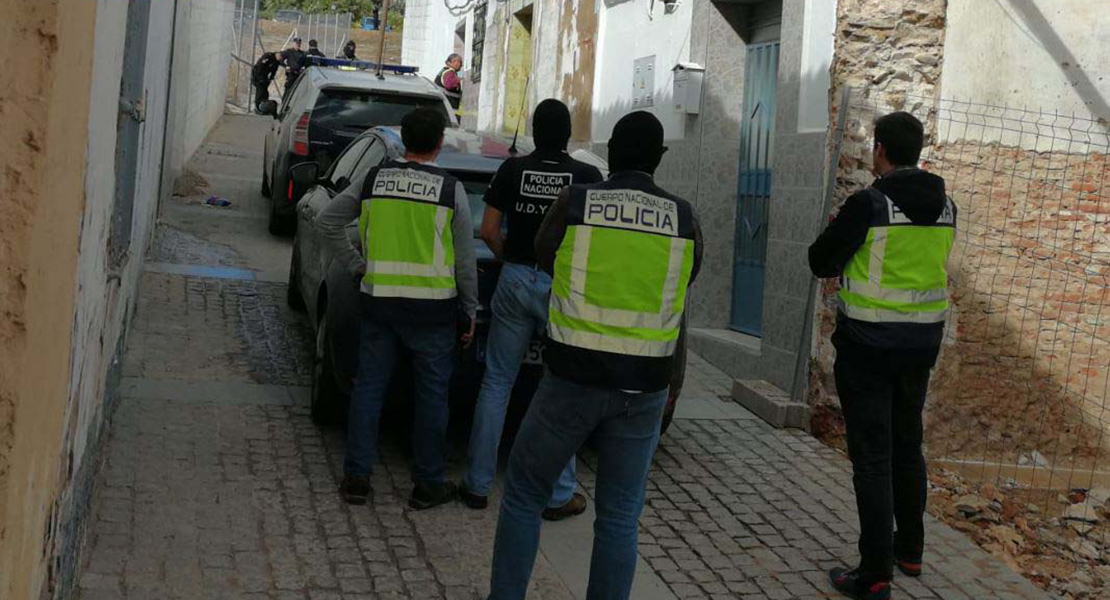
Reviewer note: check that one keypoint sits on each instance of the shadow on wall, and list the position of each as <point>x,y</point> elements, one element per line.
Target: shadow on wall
<point>1037,24</point>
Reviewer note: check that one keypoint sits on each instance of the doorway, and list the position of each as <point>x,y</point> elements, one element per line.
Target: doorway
<point>132,115</point>
<point>518,69</point>
<point>757,128</point>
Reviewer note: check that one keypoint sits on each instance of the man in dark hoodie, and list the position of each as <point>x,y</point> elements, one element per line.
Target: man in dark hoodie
<point>520,195</point>
<point>889,245</point>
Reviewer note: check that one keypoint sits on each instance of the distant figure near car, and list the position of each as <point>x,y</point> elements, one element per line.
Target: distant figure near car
<point>262,74</point>
<point>295,62</point>
<point>314,49</point>
<point>348,51</point>
<point>448,81</point>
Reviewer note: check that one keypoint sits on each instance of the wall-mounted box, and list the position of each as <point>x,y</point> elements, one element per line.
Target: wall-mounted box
<point>643,82</point>
<point>688,79</point>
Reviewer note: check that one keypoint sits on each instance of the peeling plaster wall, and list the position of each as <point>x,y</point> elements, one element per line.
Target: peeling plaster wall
<point>1043,55</point>
<point>66,309</point>
<point>42,186</point>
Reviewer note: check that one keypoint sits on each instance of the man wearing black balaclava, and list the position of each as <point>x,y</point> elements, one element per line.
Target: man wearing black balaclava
<point>519,197</point>
<point>622,254</point>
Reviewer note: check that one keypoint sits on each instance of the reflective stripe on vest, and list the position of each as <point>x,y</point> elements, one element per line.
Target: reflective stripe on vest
<point>899,275</point>
<point>408,241</point>
<point>592,302</point>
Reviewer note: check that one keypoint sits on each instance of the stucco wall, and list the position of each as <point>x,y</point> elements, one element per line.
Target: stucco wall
<point>628,30</point>
<point>39,227</point>
<point>1043,55</point>
<point>65,321</point>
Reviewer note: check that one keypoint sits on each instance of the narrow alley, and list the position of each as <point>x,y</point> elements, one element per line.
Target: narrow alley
<point>216,484</point>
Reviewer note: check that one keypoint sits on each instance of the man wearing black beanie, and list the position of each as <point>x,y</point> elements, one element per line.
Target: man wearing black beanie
<point>520,195</point>
<point>622,254</point>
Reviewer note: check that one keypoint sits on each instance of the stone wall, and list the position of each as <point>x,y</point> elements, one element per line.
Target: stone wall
<point>1022,377</point>
<point>891,55</point>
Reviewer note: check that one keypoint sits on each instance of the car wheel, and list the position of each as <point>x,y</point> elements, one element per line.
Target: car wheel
<point>293,295</point>
<point>326,396</point>
<point>280,224</point>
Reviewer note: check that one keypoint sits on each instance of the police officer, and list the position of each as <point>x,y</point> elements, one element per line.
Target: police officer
<point>520,195</point>
<point>448,81</point>
<point>888,245</point>
<point>314,49</point>
<point>295,62</point>
<point>262,73</point>
<point>623,253</point>
<point>417,273</point>
<point>348,51</point>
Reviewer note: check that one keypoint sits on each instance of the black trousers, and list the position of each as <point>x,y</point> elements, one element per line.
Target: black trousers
<point>261,93</point>
<point>882,393</point>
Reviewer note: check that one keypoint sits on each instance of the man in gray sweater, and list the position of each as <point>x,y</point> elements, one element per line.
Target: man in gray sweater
<point>418,276</point>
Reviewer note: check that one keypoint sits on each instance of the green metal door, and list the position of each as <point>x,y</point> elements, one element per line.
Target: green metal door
<point>754,187</point>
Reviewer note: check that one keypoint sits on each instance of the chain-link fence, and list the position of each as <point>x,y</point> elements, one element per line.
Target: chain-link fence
<point>255,35</point>
<point>1017,421</point>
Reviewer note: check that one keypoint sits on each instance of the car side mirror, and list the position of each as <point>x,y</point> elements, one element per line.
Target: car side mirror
<point>305,174</point>
<point>269,108</point>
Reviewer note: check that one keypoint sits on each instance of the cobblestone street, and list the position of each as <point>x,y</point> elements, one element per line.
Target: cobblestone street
<point>216,484</point>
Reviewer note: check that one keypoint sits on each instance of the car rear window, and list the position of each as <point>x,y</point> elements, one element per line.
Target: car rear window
<point>361,110</point>
<point>476,186</point>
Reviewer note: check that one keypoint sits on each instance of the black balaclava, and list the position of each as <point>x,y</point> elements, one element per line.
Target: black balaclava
<point>551,126</point>
<point>636,143</point>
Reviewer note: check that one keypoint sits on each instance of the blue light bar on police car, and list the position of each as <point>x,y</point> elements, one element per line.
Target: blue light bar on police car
<point>362,65</point>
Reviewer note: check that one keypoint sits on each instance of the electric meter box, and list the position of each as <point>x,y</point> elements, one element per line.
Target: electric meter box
<point>688,79</point>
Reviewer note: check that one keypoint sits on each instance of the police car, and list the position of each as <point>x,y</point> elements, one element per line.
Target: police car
<point>329,105</point>
<point>324,289</point>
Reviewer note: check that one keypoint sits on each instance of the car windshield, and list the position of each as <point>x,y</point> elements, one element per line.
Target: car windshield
<point>360,110</point>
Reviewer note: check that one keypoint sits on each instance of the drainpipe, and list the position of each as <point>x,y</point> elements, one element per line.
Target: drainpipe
<point>169,102</point>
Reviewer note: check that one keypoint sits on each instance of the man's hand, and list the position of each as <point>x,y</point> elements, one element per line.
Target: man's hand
<point>359,274</point>
<point>468,337</point>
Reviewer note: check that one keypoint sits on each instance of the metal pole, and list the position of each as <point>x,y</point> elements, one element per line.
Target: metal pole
<point>802,362</point>
<point>238,45</point>
<point>381,32</point>
<point>254,48</point>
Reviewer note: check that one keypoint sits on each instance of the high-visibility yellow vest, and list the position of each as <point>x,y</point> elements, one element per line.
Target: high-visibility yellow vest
<point>622,271</point>
<point>405,228</point>
<point>899,275</point>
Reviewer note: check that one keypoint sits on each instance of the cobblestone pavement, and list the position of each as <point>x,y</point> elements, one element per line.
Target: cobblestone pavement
<point>217,485</point>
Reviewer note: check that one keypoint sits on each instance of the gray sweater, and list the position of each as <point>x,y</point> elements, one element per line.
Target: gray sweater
<point>347,207</point>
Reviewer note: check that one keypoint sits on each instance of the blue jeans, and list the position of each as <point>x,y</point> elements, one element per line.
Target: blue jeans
<point>431,346</point>
<point>562,416</point>
<point>519,314</point>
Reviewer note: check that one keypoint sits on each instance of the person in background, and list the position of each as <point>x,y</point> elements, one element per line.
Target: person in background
<point>295,62</point>
<point>262,74</point>
<point>889,246</point>
<point>519,196</point>
<point>314,49</point>
<point>622,254</point>
<point>348,51</point>
<point>413,291</point>
<point>448,81</point>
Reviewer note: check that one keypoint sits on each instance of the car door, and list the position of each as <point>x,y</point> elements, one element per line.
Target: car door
<point>311,245</point>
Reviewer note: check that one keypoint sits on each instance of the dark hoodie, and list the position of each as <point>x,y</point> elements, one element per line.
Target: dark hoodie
<point>920,196</point>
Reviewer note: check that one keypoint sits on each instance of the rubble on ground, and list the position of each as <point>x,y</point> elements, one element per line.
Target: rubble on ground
<point>1059,541</point>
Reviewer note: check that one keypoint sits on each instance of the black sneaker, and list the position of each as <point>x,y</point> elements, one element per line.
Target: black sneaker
<point>849,583</point>
<point>472,500</point>
<point>909,567</point>
<point>355,489</point>
<point>574,507</point>
<point>429,495</point>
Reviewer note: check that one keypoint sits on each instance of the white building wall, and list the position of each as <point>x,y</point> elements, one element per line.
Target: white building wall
<point>429,35</point>
<point>105,298</point>
<point>630,29</point>
<point>1042,55</point>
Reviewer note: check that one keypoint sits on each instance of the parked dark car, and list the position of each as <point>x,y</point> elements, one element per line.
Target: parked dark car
<point>323,288</point>
<point>322,114</point>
